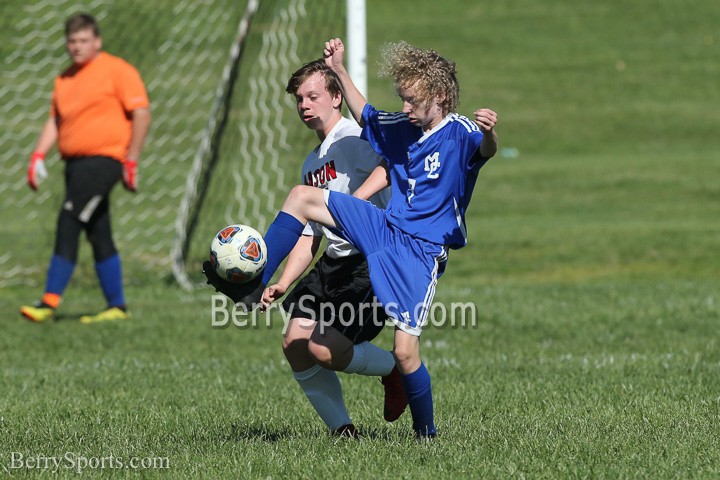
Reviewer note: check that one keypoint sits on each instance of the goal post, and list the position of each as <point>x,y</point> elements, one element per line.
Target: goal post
<point>194,186</point>
<point>356,28</point>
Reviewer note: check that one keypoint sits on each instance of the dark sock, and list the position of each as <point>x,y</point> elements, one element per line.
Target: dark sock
<point>419,393</point>
<point>280,239</point>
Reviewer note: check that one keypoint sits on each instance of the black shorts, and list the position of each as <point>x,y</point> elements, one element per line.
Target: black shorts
<point>337,293</point>
<point>88,182</point>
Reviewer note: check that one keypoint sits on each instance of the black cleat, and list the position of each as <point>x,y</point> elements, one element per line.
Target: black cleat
<point>347,431</point>
<point>247,294</point>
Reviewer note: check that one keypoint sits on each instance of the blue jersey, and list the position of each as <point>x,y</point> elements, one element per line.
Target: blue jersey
<point>433,174</point>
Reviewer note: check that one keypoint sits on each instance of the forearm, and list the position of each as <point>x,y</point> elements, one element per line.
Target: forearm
<point>353,98</point>
<point>489,144</point>
<point>334,53</point>
<point>140,126</point>
<point>486,120</point>
<point>299,259</point>
<point>376,181</point>
<point>48,136</point>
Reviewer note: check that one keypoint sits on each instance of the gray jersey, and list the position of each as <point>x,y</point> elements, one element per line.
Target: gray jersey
<point>341,163</point>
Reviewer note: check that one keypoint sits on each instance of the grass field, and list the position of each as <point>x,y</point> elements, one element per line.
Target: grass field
<point>593,262</point>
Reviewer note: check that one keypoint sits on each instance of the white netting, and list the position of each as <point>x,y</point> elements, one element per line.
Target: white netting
<point>181,49</point>
<point>263,144</point>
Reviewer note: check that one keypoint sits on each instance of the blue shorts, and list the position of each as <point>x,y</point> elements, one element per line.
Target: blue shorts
<point>403,269</point>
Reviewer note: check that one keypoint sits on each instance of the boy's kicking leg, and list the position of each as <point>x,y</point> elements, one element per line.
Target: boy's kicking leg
<point>302,204</point>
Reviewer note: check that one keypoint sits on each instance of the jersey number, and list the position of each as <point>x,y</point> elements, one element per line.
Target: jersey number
<point>411,190</point>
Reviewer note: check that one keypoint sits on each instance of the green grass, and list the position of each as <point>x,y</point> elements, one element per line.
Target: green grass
<point>592,261</point>
<point>604,380</point>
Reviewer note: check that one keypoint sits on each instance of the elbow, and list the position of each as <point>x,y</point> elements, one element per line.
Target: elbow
<point>142,115</point>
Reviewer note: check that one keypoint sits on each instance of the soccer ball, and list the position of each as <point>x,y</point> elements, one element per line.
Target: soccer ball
<point>238,253</point>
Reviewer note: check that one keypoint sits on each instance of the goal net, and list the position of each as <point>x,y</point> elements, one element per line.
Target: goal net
<point>224,146</point>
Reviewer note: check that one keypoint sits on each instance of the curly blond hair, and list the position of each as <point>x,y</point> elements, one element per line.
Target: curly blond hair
<point>432,75</point>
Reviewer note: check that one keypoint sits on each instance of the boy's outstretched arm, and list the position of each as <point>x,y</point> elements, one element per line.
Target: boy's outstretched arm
<point>334,53</point>
<point>298,261</point>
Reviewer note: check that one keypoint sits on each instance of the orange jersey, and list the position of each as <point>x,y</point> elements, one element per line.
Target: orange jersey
<point>92,105</point>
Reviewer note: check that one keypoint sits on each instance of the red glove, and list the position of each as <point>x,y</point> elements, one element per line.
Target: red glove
<point>130,174</point>
<point>36,170</point>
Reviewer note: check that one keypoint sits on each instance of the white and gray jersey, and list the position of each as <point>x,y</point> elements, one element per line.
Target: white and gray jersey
<point>341,163</point>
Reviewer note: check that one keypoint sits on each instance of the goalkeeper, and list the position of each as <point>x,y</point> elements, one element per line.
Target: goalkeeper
<point>99,117</point>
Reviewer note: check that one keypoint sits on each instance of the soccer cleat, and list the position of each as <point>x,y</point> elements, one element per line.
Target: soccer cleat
<point>37,313</point>
<point>248,294</point>
<point>395,399</point>
<point>347,431</point>
<point>109,315</point>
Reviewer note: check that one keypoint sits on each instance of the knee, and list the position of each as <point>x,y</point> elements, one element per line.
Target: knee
<point>100,237</point>
<point>321,354</point>
<point>402,355</point>
<point>407,359</point>
<point>303,198</point>
<point>103,247</point>
<point>294,347</point>
<point>298,193</point>
<point>67,236</point>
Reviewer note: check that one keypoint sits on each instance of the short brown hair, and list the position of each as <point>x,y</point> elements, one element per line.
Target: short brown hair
<point>81,21</point>
<point>332,83</point>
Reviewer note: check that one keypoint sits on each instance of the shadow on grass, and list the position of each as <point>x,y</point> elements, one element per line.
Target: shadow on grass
<point>273,434</point>
<point>72,317</point>
<point>63,317</point>
<point>257,432</point>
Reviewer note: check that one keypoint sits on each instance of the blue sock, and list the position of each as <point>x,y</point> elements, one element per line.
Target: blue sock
<point>280,239</point>
<point>59,273</point>
<point>419,393</point>
<point>109,273</point>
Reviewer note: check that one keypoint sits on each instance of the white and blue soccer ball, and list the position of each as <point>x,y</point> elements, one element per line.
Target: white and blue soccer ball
<point>238,253</point>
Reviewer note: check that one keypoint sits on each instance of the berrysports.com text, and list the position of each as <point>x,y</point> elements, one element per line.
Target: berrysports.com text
<point>224,313</point>
<point>78,463</point>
